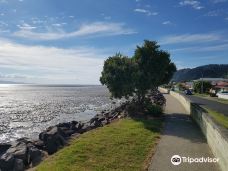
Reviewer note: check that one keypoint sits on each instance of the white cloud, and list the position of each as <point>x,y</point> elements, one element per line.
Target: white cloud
<point>147,12</point>
<point>92,29</point>
<point>190,38</point>
<point>80,65</point>
<point>167,23</point>
<point>219,47</point>
<point>214,13</point>
<point>193,3</point>
<point>26,26</point>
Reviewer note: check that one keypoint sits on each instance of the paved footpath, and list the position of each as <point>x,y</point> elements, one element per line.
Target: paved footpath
<point>181,137</point>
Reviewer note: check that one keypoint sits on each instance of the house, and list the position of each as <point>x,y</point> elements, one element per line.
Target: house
<point>213,81</point>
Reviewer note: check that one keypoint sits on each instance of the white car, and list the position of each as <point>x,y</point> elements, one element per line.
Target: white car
<point>223,94</point>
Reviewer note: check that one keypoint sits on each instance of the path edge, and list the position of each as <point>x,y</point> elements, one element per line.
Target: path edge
<point>216,135</point>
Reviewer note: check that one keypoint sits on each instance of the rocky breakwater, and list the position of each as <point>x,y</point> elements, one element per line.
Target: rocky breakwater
<point>24,153</point>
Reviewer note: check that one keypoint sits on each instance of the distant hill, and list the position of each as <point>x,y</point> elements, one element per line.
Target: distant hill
<point>208,71</point>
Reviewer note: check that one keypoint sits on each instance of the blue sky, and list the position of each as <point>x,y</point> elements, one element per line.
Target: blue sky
<point>57,41</point>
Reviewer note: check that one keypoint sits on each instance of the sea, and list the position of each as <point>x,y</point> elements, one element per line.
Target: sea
<point>27,110</point>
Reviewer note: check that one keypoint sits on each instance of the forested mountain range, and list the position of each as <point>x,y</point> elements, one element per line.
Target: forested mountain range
<point>206,71</point>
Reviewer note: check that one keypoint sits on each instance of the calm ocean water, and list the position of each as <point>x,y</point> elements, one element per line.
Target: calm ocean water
<point>26,110</point>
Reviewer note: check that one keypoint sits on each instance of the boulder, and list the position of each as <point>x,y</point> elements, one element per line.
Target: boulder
<point>19,151</point>
<point>50,132</point>
<point>66,124</point>
<point>34,155</point>
<point>68,133</point>
<point>53,143</point>
<point>19,165</point>
<point>76,126</point>
<point>86,127</point>
<point>53,138</point>
<point>39,144</point>
<point>105,122</point>
<point>7,162</point>
<point>4,147</point>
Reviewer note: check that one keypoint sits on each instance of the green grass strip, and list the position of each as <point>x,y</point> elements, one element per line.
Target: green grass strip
<point>219,117</point>
<point>123,145</point>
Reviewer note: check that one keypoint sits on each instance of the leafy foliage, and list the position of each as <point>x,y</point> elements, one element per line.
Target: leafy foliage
<point>198,86</point>
<point>180,86</point>
<point>117,75</point>
<point>154,110</point>
<point>146,70</point>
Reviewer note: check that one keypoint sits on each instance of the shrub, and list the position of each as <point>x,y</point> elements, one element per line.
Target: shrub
<point>154,110</point>
<point>198,85</point>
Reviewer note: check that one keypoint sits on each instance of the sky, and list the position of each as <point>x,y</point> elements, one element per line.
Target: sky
<point>67,41</point>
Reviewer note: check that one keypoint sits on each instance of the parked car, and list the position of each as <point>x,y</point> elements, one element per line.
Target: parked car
<point>188,92</point>
<point>223,94</point>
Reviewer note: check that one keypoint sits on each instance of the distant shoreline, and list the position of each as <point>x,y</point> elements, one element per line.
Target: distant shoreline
<point>51,85</point>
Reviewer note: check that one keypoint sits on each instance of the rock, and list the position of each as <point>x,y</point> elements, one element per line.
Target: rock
<point>19,151</point>
<point>19,165</point>
<point>7,162</point>
<point>65,131</point>
<point>34,155</point>
<point>66,124</point>
<point>53,138</point>
<point>38,144</point>
<point>77,126</point>
<point>4,147</point>
<point>74,124</point>
<point>53,143</point>
<point>51,131</point>
<point>69,132</point>
<point>86,127</point>
<point>105,122</point>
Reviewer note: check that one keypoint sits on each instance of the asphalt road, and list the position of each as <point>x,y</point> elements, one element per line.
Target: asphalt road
<point>216,106</point>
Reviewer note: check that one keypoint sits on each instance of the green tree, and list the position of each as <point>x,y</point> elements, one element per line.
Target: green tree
<point>180,86</point>
<point>146,70</point>
<point>197,86</point>
<point>117,75</point>
<point>154,68</point>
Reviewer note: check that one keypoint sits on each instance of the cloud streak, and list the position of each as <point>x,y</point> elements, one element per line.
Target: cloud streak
<point>193,3</point>
<point>144,11</point>
<point>91,29</point>
<point>214,48</point>
<point>80,65</point>
<point>190,38</point>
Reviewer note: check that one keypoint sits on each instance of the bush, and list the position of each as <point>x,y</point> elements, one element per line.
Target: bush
<point>198,85</point>
<point>156,97</point>
<point>153,110</point>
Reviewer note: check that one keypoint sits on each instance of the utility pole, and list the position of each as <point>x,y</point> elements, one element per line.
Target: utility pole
<point>202,83</point>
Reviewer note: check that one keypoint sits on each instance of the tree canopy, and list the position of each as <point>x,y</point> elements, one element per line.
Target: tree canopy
<point>200,86</point>
<point>146,70</point>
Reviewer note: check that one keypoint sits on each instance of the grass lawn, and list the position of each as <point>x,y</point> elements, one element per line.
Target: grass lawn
<point>219,117</point>
<point>224,101</point>
<point>126,144</point>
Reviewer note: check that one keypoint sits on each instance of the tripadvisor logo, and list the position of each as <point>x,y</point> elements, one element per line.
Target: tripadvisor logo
<point>176,160</point>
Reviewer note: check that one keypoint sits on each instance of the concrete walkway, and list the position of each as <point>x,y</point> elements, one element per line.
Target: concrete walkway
<point>181,137</point>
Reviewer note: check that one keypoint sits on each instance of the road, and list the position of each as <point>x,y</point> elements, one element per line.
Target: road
<point>181,136</point>
<point>213,105</point>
